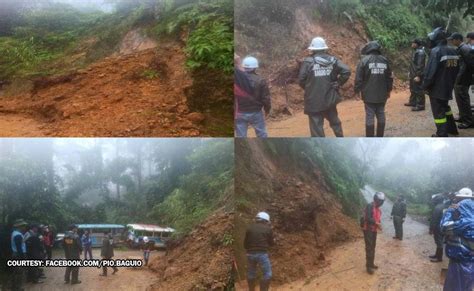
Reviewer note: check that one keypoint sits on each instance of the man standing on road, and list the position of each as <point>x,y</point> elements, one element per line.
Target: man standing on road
<point>417,68</point>
<point>18,252</point>
<point>87,245</point>
<point>371,224</point>
<point>463,81</point>
<point>374,81</point>
<point>399,212</point>
<point>72,250</point>
<point>258,238</point>
<point>440,76</point>
<point>48,242</point>
<point>439,206</point>
<point>107,252</point>
<point>321,75</point>
<point>252,104</point>
<point>457,225</point>
<point>34,251</point>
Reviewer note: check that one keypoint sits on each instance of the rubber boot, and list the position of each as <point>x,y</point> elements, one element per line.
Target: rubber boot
<point>251,284</point>
<point>442,130</point>
<point>380,129</point>
<point>452,128</point>
<point>439,256</point>
<point>264,285</point>
<point>369,130</point>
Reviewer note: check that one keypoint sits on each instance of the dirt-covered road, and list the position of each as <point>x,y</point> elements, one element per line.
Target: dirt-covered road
<point>126,279</point>
<point>403,265</point>
<point>401,121</point>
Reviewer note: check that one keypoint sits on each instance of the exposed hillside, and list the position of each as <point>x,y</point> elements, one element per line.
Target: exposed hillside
<point>309,211</point>
<point>145,69</point>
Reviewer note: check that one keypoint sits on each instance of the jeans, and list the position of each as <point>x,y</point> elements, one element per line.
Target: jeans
<point>88,250</point>
<point>255,119</point>
<point>373,110</point>
<point>262,259</point>
<point>146,256</point>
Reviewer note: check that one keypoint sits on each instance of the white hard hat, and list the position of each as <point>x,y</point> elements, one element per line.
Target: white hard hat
<point>250,63</point>
<point>263,216</point>
<point>464,193</point>
<point>380,196</point>
<point>318,44</point>
<point>146,239</point>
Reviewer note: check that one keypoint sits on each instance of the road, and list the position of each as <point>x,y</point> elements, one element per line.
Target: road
<point>401,121</point>
<point>126,279</point>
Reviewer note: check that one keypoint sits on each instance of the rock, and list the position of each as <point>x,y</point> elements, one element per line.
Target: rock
<point>59,98</point>
<point>196,117</point>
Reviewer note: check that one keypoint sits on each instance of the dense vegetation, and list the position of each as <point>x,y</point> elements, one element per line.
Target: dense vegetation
<point>176,183</point>
<point>45,37</point>
<point>396,22</point>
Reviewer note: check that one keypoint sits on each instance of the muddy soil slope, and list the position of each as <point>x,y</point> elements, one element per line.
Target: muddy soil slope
<point>306,217</point>
<point>141,90</point>
<point>201,261</point>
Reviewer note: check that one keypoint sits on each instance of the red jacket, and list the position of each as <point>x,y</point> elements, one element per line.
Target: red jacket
<point>371,221</point>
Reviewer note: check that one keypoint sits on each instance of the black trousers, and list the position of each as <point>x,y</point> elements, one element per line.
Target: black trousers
<point>417,97</point>
<point>463,100</point>
<point>316,122</point>
<point>398,225</point>
<point>370,239</point>
<point>443,117</point>
<point>75,274</point>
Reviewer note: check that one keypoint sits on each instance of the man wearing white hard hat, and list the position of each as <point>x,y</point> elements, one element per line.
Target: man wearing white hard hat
<point>321,75</point>
<point>458,227</point>
<point>250,106</point>
<point>258,238</point>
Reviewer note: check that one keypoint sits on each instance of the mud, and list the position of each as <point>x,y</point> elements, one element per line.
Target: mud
<point>133,279</point>
<point>401,121</point>
<point>200,261</point>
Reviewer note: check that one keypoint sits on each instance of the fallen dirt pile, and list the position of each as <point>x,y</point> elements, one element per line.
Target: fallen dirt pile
<point>138,94</point>
<point>200,261</point>
<point>307,219</point>
<point>282,52</point>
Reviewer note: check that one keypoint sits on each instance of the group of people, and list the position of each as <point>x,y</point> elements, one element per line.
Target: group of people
<point>32,242</point>
<point>451,224</point>
<point>450,67</point>
<point>35,242</point>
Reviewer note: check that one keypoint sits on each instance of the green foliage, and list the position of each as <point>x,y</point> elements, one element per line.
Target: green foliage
<point>211,33</point>
<point>395,26</point>
<point>150,74</point>
<point>227,239</point>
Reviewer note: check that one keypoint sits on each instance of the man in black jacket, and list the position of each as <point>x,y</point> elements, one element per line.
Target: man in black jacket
<point>463,81</point>
<point>399,212</point>
<point>320,76</point>
<point>440,205</point>
<point>253,98</point>
<point>107,252</point>
<point>374,80</point>
<point>440,76</point>
<point>417,68</point>
<point>72,251</point>
<point>34,251</point>
<point>258,238</point>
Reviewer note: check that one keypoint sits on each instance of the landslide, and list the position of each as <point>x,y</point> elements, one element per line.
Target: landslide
<point>307,218</point>
<point>281,41</point>
<point>200,261</point>
<point>141,92</point>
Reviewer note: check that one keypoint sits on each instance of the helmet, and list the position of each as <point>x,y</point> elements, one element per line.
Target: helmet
<point>146,239</point>
<point>263,216</point>
<point>250,63</point>
<point>436,36</point>
<point>379,198</point>
<point>318,44</point>
<point>370,47</point>
<point>464,193</point>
